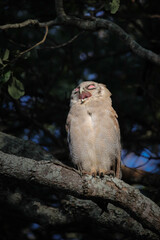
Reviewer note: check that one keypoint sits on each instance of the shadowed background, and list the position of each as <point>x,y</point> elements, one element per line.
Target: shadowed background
<point>69,56</point>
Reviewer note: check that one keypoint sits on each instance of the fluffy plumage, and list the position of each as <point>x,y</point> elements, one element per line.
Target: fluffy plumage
<point>93,130</point>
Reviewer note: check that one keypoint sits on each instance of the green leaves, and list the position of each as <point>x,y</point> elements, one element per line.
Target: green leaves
<point>6,55</point>
<point>5,77</point>
<point>1,63</point>
<point>16,88</point>
<point>4,59</point>
<point>112,6</point>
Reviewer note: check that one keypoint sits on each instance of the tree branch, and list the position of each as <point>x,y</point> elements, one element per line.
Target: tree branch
<point>133,175</point>
<point>92,24</point>
<point>59,9</point>
<point>29,22</point>
<point>67,180</point>
<point>19,147</point>
<point>31,207</point>
<point>66,43</point>
<point>13,145</point>
<point>37,44</point>
<point>72,210</point>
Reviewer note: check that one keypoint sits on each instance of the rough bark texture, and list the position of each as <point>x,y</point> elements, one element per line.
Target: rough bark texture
<point>12,145</point>
<point>63,178</point>
<point>73,211</point>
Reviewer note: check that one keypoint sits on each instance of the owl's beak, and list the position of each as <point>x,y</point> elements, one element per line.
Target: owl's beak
<point>83,95</point>
<point>80,90</point>
<point>80,94</point>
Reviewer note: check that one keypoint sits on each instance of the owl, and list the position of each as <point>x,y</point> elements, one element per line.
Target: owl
<point>93,131</point>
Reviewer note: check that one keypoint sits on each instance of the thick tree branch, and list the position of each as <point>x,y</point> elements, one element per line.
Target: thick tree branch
<point>93,24</point>
<point>31,207</point>
<point>64,179</point>
<point>133,175</point>
<point>12,145</point>
<point>113,218</point>
<point>73,210</point>
<point>19,147</point>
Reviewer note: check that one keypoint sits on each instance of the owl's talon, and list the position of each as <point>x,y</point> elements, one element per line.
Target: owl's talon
<point>85,173</point>
<point>97,173</point>
<point>93,174</point>
<point>101,174</point>
<point>111,173</point>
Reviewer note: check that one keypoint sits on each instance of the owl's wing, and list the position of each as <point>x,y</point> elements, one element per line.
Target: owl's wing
<point>118,164</point>
<point>67,126</point>
<point>114,117</point>
<point>114,112</point>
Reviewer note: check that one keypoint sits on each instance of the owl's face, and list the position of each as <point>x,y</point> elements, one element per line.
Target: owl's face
<point>88,90</point>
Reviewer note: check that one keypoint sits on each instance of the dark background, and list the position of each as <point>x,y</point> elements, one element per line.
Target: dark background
<point>49,74</point>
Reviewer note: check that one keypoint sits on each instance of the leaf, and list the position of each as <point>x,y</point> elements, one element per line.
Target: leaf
<point>5,77</point>
<point>1,61</point>
<point>114,6</point>
<point>16,89</point>
<point>6,55</point>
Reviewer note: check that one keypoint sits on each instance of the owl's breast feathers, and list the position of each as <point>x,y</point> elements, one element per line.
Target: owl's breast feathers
<point>92,112</point>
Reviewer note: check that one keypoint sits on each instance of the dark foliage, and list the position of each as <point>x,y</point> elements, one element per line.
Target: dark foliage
<point>49,73</point>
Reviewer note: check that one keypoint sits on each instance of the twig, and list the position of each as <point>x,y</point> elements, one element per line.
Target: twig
<point>154,16</point>
<point>68,42</point>
<point>37,44</point>
<point>93,24</point>
<point>28,22</point>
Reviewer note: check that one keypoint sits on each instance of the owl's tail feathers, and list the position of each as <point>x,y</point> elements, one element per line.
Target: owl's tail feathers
<point>118,167</point>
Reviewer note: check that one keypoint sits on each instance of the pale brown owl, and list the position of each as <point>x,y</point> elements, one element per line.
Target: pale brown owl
<point>93,130</point>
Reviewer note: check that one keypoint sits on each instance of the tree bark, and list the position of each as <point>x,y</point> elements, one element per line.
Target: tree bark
<point>60,177</point>
<point>73,210</point>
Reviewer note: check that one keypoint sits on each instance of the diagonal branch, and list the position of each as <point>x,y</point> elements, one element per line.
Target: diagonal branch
<point>37,44</point>
<point>92,24</point>
<point>67,43</point>
<point>28,149</point>
<point>72,209</point>
<point>96,23</point>
<point>27,23</point>
<point>133,175</point>
<point>69,181</point>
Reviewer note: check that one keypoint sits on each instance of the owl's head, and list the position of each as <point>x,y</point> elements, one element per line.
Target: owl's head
<point>89,90</point>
